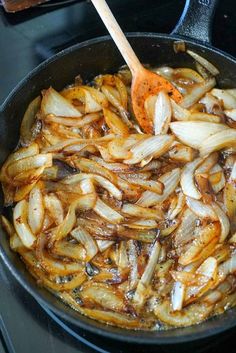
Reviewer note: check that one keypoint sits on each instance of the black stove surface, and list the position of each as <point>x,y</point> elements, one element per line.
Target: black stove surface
<point>26,39</point>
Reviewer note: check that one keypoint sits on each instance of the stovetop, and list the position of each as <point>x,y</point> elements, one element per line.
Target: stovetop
<point>26,39</point>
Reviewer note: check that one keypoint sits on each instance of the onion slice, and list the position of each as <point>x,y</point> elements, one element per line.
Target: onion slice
<point>224,221</point>
<point>218,141</point>
<point>104,244</point>
<point>187,179</point>
<point>190,315</point>
<point>36,209</point>
<point>85,202</point>
<point>194,251</point>
<point>201,210</point>
<point>163,113</point>
<point>154,186</point>
<point>229,101</point>
<point>185,231</point>
<point>170,181</point>
<point>115,123</point>
<point>231,113</point>
<point>197,92</point>
<point>177,296</point>
<point>154,146</point>
<point>194,133</point>
<point>172,213</point>
<point>83,237</point>
<point>56,104</point>
<point>179,113</point>
<point>54,207</point>
<point>139,296</point>
<point>28,163</point>
<point>28,121</point>
<point>204,62</point>
<point>22,228</point>
<point>141,212</point>
<point>106,212</point>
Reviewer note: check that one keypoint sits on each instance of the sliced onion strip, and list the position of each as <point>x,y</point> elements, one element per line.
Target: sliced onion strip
<point>163,113</point>
<point>21,226</point>
<point>187,179</point>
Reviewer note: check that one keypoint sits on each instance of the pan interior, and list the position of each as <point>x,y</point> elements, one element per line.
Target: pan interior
<point>90,59</point>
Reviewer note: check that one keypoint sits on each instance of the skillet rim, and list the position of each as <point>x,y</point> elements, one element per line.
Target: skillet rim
<point>135,338</point>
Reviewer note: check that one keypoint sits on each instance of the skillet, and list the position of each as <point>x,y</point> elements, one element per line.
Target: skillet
<point>94,57</point>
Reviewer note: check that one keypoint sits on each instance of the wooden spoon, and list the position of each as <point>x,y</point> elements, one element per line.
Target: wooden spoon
<point>144,82</point>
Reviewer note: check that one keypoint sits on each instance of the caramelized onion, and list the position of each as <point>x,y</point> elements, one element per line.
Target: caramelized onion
<point>131,229</point>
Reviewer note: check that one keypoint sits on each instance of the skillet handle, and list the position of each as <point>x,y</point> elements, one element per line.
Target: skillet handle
<point>196,20</point>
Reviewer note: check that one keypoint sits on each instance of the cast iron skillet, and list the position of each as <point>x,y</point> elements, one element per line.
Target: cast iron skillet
<point>89,59</point>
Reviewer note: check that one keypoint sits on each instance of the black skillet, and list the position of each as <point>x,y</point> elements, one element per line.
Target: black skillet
<point>90,58</point>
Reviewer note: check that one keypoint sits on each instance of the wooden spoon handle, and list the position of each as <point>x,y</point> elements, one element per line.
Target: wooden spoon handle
<point>117,35</point>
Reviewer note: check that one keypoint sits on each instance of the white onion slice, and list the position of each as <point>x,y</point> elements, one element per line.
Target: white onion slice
<point>165,71</point>
<point>133,261</point>
<point>207,164</point>
<point>145,280</point>
<point>231,113</point>
<point>192,314</point>
<point>178,207</point>
<point>181,153</point>
<point>103,182</point>
<point>197,92</point>
<point>87,187</point>
<point>109,92</point>
<point>54,103</point>
<point>28,163</point>
<point>210,102</point>
<point>142,212</point>
<point>227,267</point>
<point>219,185</point>
<point>106,212</point>
<point>163,113</point>
<point>54,207</point>
<point>208,268</point>
<point>110,187</point>
<point>201,210</point>
<point>208,271</point>
<point>185,231</point>
<point>87,119</point>
<point>193,133</point>
<point>218,141</point>
<point>21,226</point>
<point>224,221</point>
<point>142,224</point>
<point>177,296</point>
<point>24,152</point>
<point>187,179</point>
<point>155,145</point>
<point>122,256</point>
<point>204,62</point>
<point>36,210</point>
<point>229,101</point>
<point>179,113</point>
<point>199,116</point>
<point>195,251</point>
<point>154,186</point>
<point>83,203</point>
<point>91,105</point>
<point>170,181</point>
<point>104,244</point>
<point>83,237</point>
